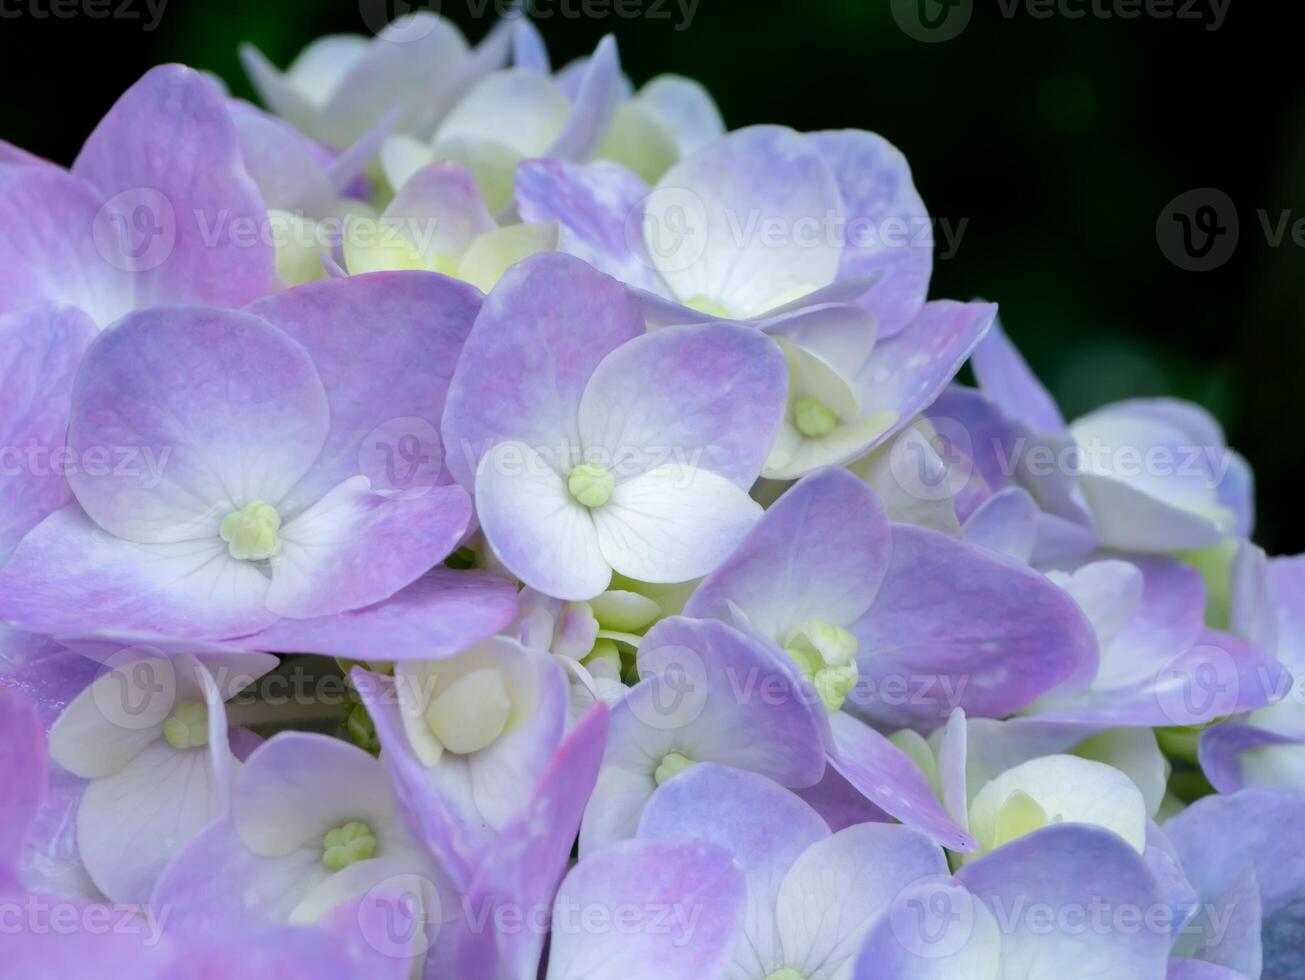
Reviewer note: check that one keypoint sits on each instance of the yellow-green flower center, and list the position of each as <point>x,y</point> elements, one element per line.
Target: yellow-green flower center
<point>348,844</point>
<point>705,304</point>
<point>250,533</point>
<point>591,484</point>
<point>187,726</point>
<point>788,973</point>
<point>826,655</point>
<point>813,418</point>
<point>672,764</point>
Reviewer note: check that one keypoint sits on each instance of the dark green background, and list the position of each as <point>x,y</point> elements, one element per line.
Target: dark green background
<point>1060,140</point>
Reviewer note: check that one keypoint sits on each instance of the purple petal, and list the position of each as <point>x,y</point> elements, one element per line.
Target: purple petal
<point>890,780</point>
<point>905,374</point>
<point>888,227</point>
<point>709,396</point>
<point>356,547</point>
<point>1005,378</point>
<point>593,106</point>
<point>410,326</point>
<point>42,349</point>
<point>705,222</point>
<point>59,247</point>
<point>598,206</point>
<point>711,694</point>
<point>530,856</point>
<point>1221,748</point>
<point>957,626</point>
<point>69,575</point>
<point>1007,522</point>
<point>217,409</point>
<point>648,875</point>
<point>1061,868</point>
<point>820,553</point>
<point>168,153</point>
<point>441,614</point>
<point>763,826</point>
<point>538,338</point>
<point>22,777</point>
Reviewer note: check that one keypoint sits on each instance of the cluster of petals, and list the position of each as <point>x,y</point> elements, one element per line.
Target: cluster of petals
<point>668,609</point>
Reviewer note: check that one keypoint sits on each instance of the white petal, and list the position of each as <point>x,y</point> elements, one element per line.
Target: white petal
<point>132,823</point>
<point>1069,790</point>
<point>673,523</point>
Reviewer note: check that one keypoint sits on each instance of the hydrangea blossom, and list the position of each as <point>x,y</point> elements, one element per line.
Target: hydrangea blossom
<point>669,611</point>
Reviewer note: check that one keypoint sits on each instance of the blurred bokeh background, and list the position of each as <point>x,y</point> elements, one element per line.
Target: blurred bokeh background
<point>1052,134</point>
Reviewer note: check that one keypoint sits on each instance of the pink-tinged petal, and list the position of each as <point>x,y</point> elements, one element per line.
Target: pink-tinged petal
<point>763,826</point>
<point>58,246</point>
<point>819,553</point>
<point>441,614</point>
<point>711,694</point>
<point>1057,867</point>
<point>530,857</point>
<point>905,374</point>
<point>285,164</point>
<point>409,328</point>
<point>599,208</point>
<point>539,336</point>
<point>69,575</point>
<point>839,803</point>
<point>215,409</point>
<point>957,626</point>
<point>22,777</point>
<point>890,780</point>
<point>705,222</point>
<point>888,228</point>
<point>1006,379</point>
<point>1007,522</point>
<point>709,396</point>
<point>673,523</point>
<point>33,949</point>
<point>593,106</point>
<point>356,547</point>
<point>652,876</point>
<point>40,350</point>
<point>167,161</point>
<point>536,528</point>
<point>11,154</point>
